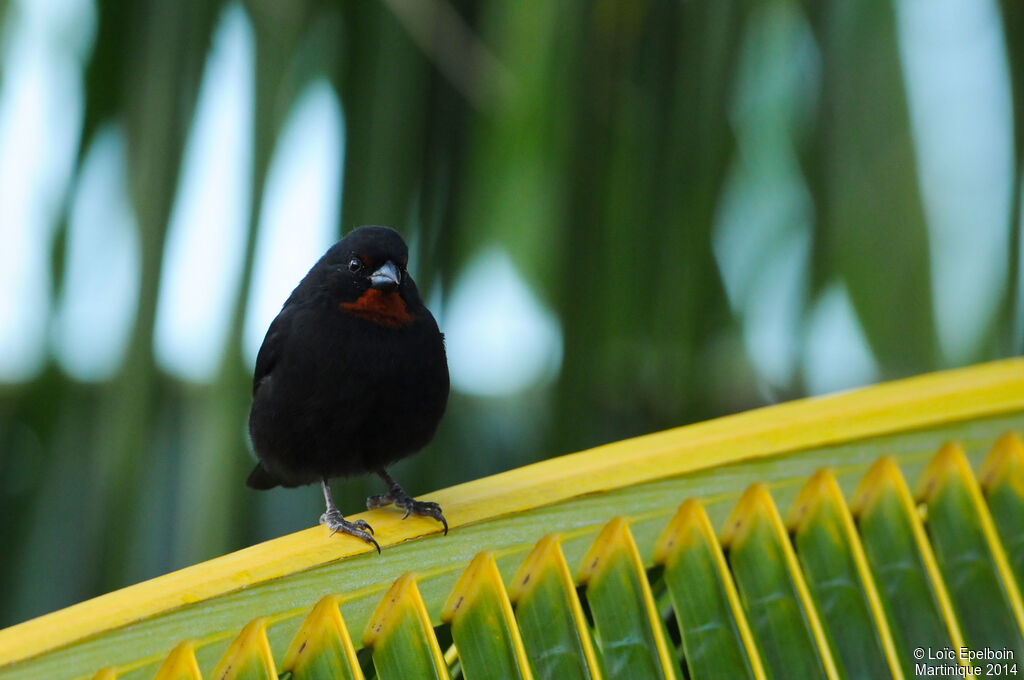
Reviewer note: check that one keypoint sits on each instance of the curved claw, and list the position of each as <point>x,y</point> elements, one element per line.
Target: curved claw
<point>362,524</point>
<point>423,509</point>
<point>359,535</point>
<point>359,528</point>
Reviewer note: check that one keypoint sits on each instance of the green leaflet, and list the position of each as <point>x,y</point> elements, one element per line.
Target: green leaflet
<point>483,626</point>
<point>248,657</point>
<point>832,560</point>
<point>781,616</point>
<point>910,588</point>
<point>1002,479</point>
<point>180,664</point>
<point>715,634</point>
<point>629,632</point>
<point>555,632</point>
<point>984,595</point>
<point>401,636</point>
<point>322,649</point>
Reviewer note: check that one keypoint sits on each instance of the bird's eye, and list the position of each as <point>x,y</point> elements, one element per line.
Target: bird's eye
<point>354,264</point>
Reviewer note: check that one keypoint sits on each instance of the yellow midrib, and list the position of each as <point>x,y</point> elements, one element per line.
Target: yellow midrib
<point>919,402</point>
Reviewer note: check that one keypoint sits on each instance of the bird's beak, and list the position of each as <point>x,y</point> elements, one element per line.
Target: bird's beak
<point>386,278</point>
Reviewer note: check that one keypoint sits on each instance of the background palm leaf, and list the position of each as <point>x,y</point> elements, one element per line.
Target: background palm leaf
<point>842,590</point>
<point>704,206</point>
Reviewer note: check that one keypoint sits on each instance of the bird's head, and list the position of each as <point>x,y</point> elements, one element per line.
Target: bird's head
<point>367,275</point>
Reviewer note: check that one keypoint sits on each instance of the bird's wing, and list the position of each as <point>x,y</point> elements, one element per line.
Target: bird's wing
<point>270,350</point>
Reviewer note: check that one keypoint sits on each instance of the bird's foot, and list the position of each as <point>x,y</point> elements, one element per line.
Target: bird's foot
<point>410,505</point>
<point>334,521</point>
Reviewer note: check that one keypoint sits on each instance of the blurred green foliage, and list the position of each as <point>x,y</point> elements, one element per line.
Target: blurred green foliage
<point>592,141</point>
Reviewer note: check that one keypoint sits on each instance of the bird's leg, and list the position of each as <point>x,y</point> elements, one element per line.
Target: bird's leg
<point>334,520</point>
<point>402,500</point>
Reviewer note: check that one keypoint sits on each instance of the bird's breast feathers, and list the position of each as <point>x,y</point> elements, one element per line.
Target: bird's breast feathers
<point>383,307</point>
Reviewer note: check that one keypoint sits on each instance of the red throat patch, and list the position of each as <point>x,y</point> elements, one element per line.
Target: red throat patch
<point>375,305</point>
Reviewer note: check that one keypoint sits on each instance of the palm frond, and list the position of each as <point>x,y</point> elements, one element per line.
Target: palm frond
<point>605,563</point>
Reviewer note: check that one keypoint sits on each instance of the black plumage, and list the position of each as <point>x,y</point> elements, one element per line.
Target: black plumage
<point>351,377</point>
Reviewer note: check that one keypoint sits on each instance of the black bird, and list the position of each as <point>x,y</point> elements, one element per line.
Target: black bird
<point>351,377</point>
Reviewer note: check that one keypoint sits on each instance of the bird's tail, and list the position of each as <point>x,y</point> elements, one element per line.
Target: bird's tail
<point>260,478</point>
